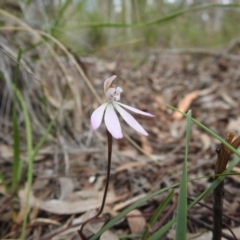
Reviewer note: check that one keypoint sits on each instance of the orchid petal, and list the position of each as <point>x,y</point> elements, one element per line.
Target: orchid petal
<point>136,110</point>
<point>130,119</point>
<point>112,122</point>
<point>97,115</point>
<point>118,93</point>
<point>108,82</point>
<point>110,94</point>
<point>119,90</point>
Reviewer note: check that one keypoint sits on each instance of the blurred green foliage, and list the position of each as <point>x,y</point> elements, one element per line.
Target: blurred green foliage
<point>88,26</point>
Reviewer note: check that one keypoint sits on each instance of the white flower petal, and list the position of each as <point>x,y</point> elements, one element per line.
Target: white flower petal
<point>118,93</point>
<point>110,93</point>
<point>108,82</point>
<point>136,110</point>
<point>97,115</point>
<point>112,122</point>
<point>130,119</point>
<point>119,90</point>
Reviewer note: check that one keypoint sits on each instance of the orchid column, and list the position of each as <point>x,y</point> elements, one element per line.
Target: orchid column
<point>107,110</point>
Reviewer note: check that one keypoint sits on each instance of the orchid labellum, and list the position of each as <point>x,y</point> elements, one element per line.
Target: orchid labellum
<point>107,110</point>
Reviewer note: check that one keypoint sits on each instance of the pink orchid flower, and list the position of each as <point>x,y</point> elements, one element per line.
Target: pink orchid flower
<point>112,123</point>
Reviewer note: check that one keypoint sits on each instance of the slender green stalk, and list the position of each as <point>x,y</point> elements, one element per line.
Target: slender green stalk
<point>29,157</point>
<point>181,229</point>
<point>16,169</point>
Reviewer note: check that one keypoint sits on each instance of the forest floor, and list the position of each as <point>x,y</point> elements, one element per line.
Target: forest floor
<point>67,189</point>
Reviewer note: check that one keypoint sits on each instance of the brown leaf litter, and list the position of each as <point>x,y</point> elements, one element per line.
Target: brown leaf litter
<point>69,175</point>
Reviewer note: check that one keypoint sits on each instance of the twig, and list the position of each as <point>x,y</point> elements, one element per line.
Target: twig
<point>80,232</point>
<point>230,230</point>
<point>204,224</point>
<point>210,208</point>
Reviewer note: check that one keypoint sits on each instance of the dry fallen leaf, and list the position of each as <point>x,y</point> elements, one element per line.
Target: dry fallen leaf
<point>66,186</point>
<point>136,221</point>
<point>236,169</point>
<point>159,103</point>
<point>129,165</point>
<point>77,202</point>
<point>78,206</point>
<point>89,229</point>
<point>235,177</point>
<point>233,125</point>
<point>185,103</point>
<point>145,144</point>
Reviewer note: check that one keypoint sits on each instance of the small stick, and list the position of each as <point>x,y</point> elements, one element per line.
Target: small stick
<point>80,232</point>
<point>223,157</point>
<point>207,226</point>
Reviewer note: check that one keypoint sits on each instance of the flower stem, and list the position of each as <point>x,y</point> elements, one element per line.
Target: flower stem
<point>80,232</point>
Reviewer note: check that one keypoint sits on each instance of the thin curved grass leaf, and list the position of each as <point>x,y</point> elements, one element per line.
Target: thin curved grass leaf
<point>129,209</point>
<point>157,213</point>
<point>130,236</point>
<point>181,228</point>
<point>29,155</point>
<point>167,226</point>
<point>161,20</point>
<point>16,169</point>
<point>213,134</point>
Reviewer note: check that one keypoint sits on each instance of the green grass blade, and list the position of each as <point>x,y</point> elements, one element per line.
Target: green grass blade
<point>16,149</point>
<point>191,9</point>
<point>129,236</point>
<point>165,228</point>
<point>42,140</point>
<point>59,15</point>
<point>215,183</point>
<point>29,156</point>
<point>129,209</point>
<point>213,134</point>
<point>16,169</point>
<point>162,230</point>
<point>63,8</point>
<point>157,213</point>
<point>161,20</point>
<point>181,229</point>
